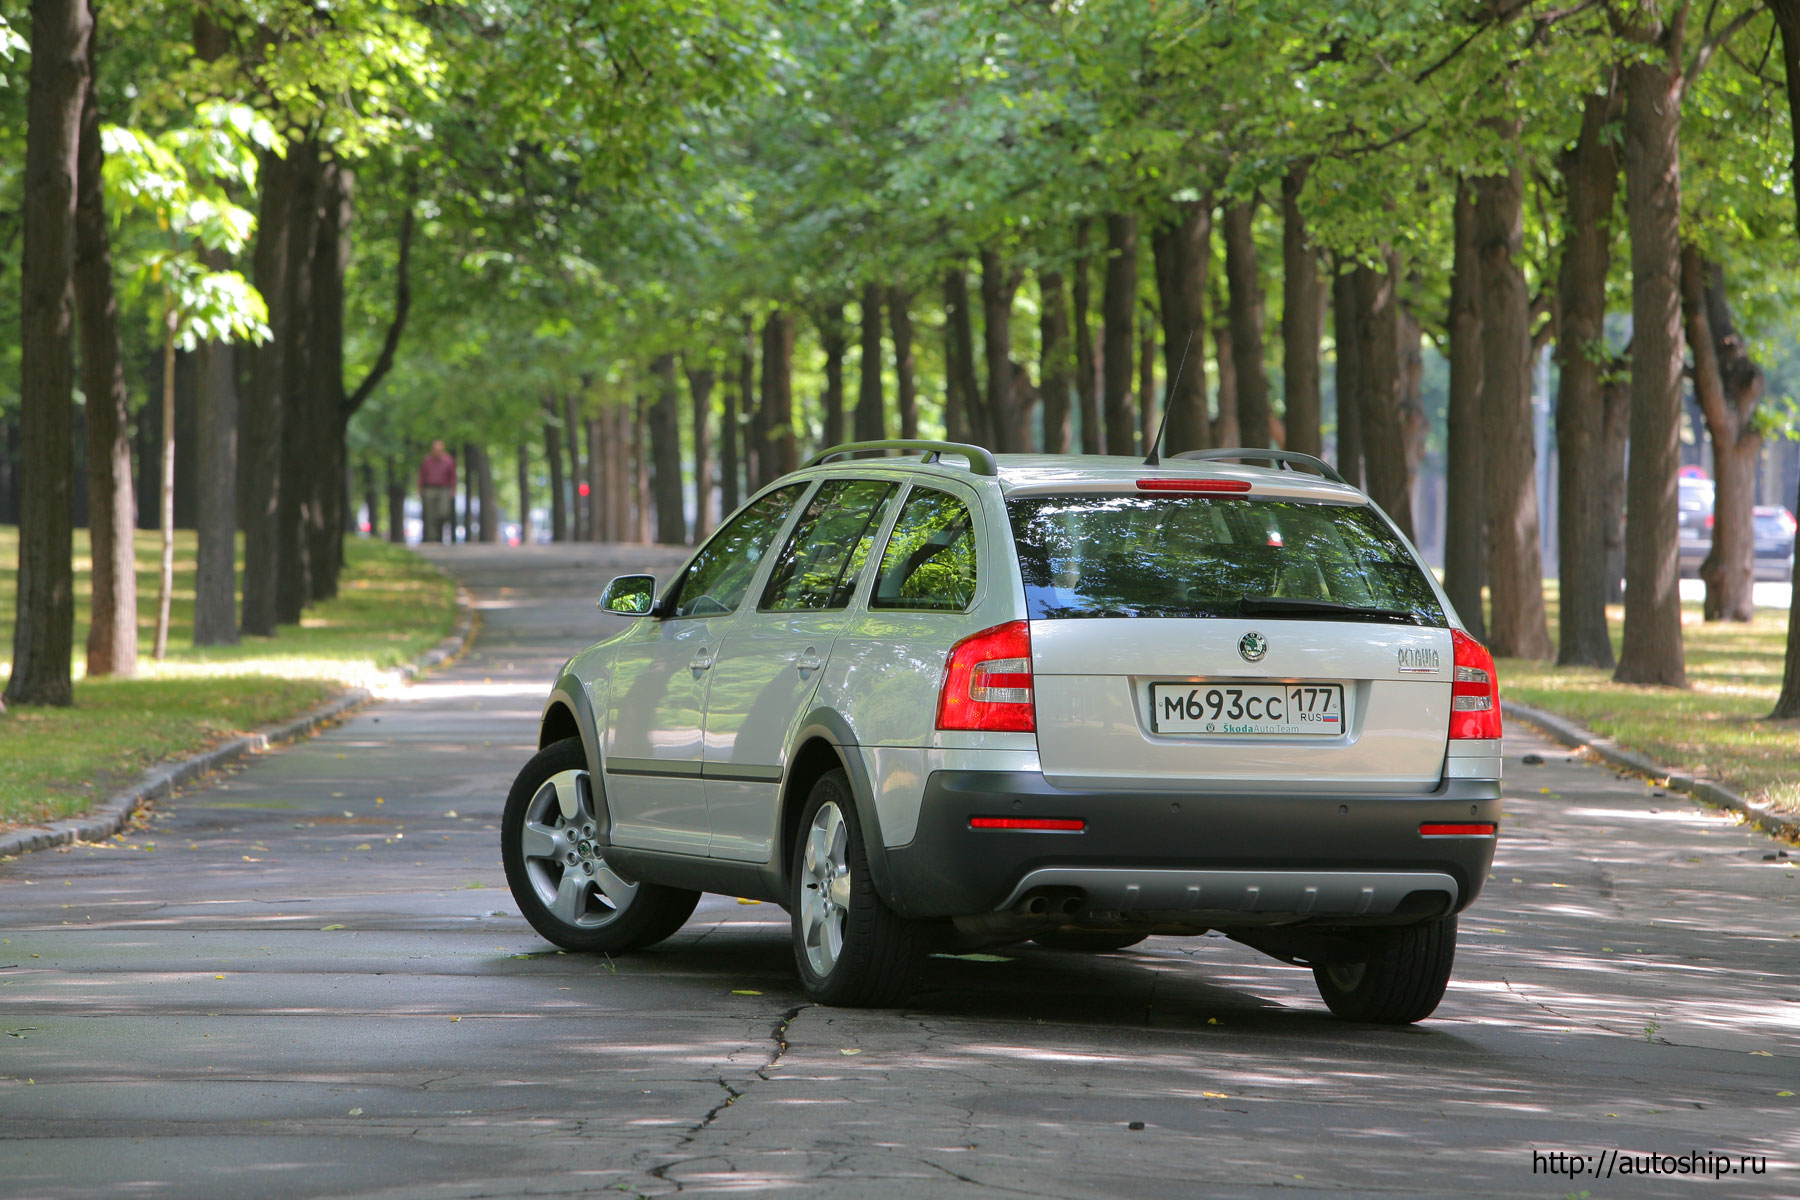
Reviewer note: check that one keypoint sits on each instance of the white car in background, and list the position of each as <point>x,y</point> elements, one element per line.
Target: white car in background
<point>957,698</point>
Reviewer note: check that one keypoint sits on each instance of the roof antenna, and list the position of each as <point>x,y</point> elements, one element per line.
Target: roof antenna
<point>1154,458</point>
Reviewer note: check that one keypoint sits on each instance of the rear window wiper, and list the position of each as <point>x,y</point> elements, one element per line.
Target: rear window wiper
<point>1272,606</point>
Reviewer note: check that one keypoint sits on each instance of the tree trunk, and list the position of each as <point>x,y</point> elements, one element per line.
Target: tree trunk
<point>112,641</point>
<point>1349,375</point>
<point>329,425</point>
<point>731,431</point>
<point>1378,356</point>
<point>553,454</point>
<point>1087,367</point>
<point>1055,363</point>
<point>1615,438</point>
<point>906,388</point>
<point>1515,570</point>
<point>299,437</point>
<point>165,493</point>
<point>778,396</point>
<point>756,417</point>
<point>665,453</point>
<point>642,500</point>
<point>1246,313</point>
<point>1729,386</point>
<point>260,421</point>
<point>1590,171</point>
<point>485,494</point>
<point>998,286</point>
<point>965,419</point>
<point>1302,299</point>
<point>1225,429</point>
<point>571,431</point>
<point>700,386</point>
<point>522,457</point>
<point>1465,522</point>
<point>1787,20</point>
<point>834,343</point>
<point>600,517</point>
<point>621,502</point>
<point>871,420</point>
<point>396,500</point>
<point>1651,651</point>
<point>44,623</point>
<point>215,462</point>
<point>1182,249</point>
<point>1149,396</point>
<point>1118,307</point>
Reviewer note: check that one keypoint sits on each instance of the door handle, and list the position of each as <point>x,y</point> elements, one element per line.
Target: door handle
<point>701,662</point>
<point>809,660</point>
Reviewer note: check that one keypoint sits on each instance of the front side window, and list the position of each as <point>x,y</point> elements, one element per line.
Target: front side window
<point>720,574</point>
<point>1204,556</point>
<point>819,566</point>
<point>929,564</point>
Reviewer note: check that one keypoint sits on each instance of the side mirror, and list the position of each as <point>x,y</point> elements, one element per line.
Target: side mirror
<point>629,595</point>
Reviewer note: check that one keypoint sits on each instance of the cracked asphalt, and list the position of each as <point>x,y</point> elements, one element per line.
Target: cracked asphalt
<point>307,978</point>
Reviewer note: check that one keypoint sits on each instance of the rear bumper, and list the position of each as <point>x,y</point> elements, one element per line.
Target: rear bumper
<point>1223,860</point>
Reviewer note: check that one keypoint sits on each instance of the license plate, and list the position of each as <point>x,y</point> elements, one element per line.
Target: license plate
<point>1295,709</point>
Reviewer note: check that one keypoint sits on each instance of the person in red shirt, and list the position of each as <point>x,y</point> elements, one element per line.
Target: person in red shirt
<point>437,492</point>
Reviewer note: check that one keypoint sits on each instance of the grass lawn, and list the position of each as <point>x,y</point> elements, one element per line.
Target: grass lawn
<point>54,762</point>
<point>1714,728</point>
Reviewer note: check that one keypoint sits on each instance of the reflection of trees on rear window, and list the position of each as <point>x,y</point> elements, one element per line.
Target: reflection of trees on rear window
<point>1199,556</point>
<point>930,558</point>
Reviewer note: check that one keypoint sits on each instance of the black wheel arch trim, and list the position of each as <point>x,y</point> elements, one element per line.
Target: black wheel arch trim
<point>569,694</point>
<point>830,726</point>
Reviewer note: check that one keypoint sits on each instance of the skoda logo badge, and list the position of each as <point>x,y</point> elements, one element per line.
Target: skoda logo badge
<point>1253,646</point>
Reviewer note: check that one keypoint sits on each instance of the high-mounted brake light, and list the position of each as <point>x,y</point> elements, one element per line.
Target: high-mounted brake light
<point>1457,829</point>
<point>1030,824</point>
<point>1474,690</point>
<point>987,682</point>
<point>1193,485</point>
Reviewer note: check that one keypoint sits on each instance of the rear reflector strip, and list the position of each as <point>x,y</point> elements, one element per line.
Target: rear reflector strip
<point>1193,485</point>
<point>1030,824</point>
<point>1457,829</point>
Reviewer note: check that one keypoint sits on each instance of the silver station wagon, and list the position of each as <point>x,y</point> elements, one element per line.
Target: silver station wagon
<point>953,698</point>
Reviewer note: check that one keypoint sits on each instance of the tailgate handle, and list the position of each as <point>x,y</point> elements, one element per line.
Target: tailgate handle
<point>809,660</point>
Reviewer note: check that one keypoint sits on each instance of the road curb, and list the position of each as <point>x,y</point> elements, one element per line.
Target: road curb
<point>1769,820</point>
<point>159,782</point>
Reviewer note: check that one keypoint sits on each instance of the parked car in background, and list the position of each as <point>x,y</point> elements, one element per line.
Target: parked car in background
<point>965,699</point>
<point>1694,500</point>
<point>1774,543</point>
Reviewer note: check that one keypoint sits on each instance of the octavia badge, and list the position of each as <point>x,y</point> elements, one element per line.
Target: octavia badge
<point>1253,646</point>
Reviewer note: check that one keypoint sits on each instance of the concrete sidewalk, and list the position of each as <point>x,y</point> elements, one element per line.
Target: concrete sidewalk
<point>316,984</point>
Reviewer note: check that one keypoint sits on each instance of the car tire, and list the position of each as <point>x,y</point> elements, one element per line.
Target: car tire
<point>851,949</point>
<point>1402,980</point>
<point>552,843</point>
<point>1087,941</point>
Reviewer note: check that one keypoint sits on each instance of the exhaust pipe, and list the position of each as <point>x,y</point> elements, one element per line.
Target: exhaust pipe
<point>1038,905</point>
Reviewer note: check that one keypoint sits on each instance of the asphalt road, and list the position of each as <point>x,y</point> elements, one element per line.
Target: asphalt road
<point>309,979</point>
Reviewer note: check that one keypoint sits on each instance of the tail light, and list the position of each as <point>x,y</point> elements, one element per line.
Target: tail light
<point>1474,690</point>
<point>1709,520</point>
<point>1786,520</point>
<point>1193,485</point>
<point>987,683</point>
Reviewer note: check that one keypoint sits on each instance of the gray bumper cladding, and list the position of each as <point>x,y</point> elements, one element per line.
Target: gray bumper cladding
<point>1306,893</point>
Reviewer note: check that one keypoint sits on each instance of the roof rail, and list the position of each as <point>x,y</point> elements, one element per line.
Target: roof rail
<point>981,460</point>
<point>1286,459</point>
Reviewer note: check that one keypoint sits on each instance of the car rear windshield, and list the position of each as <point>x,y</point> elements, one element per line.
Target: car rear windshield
<point>1209,556</point>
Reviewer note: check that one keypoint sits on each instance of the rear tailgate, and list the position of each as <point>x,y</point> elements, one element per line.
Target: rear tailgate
<point>1094,680</point>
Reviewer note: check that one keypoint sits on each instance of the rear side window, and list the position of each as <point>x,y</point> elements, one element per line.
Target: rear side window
<point>929,563</point>
<point>1205,556</point>
<point>819,566</point>
<point>720,574</point>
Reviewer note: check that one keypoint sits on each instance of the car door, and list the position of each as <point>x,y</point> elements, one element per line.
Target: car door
<point>766,670</point>
<point>657,699</point>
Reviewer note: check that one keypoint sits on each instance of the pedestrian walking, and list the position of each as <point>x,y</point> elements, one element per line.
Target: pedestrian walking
<point>437,492</point>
